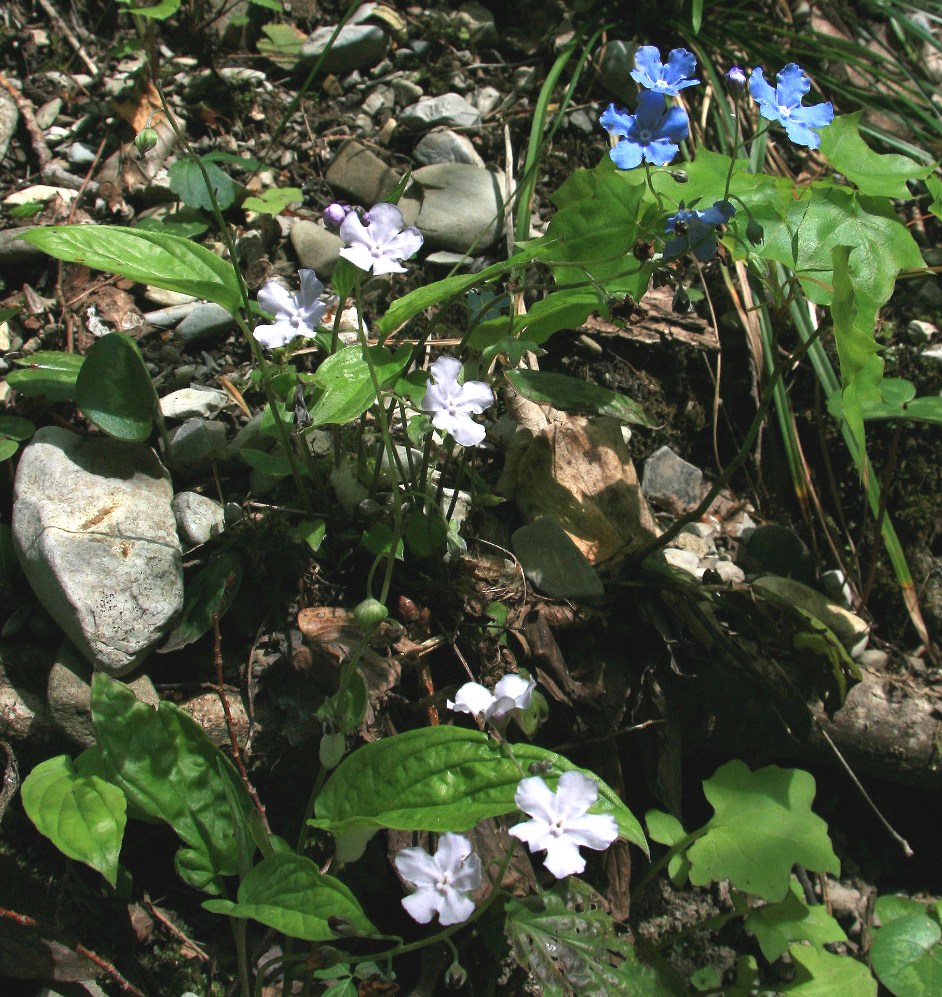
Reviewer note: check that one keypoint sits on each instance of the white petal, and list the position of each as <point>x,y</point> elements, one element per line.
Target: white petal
<point>423,905</point>
<point>387,264</point>
<point>474,396</point>
<point>435,398</point>
<point>519,689</point>
<point>445,370</point>
<point>467,432</point>
<point>472,697</point>
<point>576,793</point>
<point>416,866</point>
<point>386,221</point>
<point>273,336</point>
<point>358,254</point>
<point>353,231</point>
<point>454,907</point>
<point>274,298</point>
<point>310,291</point>
<point>452,851</point>
<point>446,422</point>
<point>499,709</point>
<point>563,858</point>
<point>535,798</point>
<point>535,833</point>
<point>468,877</point>
<point>596,831</point>
<point>404,244</point>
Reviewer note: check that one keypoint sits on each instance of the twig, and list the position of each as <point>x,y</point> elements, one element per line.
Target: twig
<point>11,779</point>
<point>236,750</point>
<point>25,921</point>
<point>173,929</point>
<point>66,31</point>
<point>25,106</point>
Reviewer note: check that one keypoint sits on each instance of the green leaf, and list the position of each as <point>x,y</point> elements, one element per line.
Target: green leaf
<point>426,534</point>
<point>114,389</point>
<point>907,955</point>
<point>208,594</point>
<point>777,925</point>
<point>312,532</point>
<point>275,463</point>
<point>289,893</point>
<point>762,826</point>
<point>159,12</point>
<point>186,181</point>
<point>186,223</point>
<point>48,374</point>
<point>154,258</point>
<point>568,943</point>
<point>168,767</point>
<point>282,43</point>
<point>442,779</point>
<point>347,385</point>
<point>16,428</point>
<point>269,4</point>
<point>83,816</point>
<point>872,173</point>
<point>570,394</point>
<point>666,829</point>
<point>821,974</point>
<point>274,200</point>
<point>8,448</point>
<point>378,539</point>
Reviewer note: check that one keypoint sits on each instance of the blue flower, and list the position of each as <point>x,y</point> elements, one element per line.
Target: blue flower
<point>651,134</point>
<point>667,80</point>
<point>696,230</point>
<point>784,105</point>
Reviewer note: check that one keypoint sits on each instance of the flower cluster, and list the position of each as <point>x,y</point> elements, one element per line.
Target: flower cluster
<point>560,824</point>
<point>696,230</point>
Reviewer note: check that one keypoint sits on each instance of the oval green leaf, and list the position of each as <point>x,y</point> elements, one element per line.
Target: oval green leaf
<point>114,389</point>
<point>570,394</point>
<point>48,374</point>
<point>907,957</point>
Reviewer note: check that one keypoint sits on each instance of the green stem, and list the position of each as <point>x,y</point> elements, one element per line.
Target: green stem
<point>656,868</point>
<point>240,930</point>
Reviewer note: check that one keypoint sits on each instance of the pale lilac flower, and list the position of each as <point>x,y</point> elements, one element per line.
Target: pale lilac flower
<point>561,823</point>
<point>381,245</point>
<point>295,314</point>
<point>512,692</point>
<point>442,881</point>
<point>669,78</point>
<point>451,404</point>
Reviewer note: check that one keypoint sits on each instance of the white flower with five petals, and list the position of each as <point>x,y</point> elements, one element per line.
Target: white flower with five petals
<point>512,692</point>
<point>561,822</point>
<point>295,314</point>
<point>442,880</point>
<point>451,404</point>
<point>381,245</point>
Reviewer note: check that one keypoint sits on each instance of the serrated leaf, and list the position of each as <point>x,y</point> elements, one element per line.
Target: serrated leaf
<point>821,974</point>
<point>443,779</point>
<point>289,893</point>
<point>187,182</point>
<point>776,926</point>
<point>906,954</point>
<point>568,943</point>
<point>82,815</point>
<point>48,374</point>
<point>570,394</point>
<point>870,172</point>
<point>154,258</point>
<point>168,767</point>
<point>114,389</point>
<point>762,826</point>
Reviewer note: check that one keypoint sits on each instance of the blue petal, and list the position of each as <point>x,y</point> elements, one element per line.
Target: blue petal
<point>719,214</point>
<point>660,152</point>
<point>681,65</point>
<point>650,110</point>
<point>763,94</point>
<point>674,125</point>
<point>615,121</point>
<point>801,134</point>
<point>648,66</point>
<point>684,215</point>
<point>674,247</point>
<point>626,155</point>
<point>814,116</point>
<point>793,84</point>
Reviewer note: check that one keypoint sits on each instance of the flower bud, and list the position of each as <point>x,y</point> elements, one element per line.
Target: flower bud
<point>735,80</point>
<point>335,213</point>
<point>331,750</point>
<point>455,976</point>
<point>145,140</point>
<point>679,176</point>
<point>369,613</point>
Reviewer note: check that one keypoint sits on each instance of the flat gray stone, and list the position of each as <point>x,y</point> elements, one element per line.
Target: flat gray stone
<point>450,110</point>
<point>363,176</point>
<point>95,534</point>
<point>198,518</point>
<point>669,479</point>
<point>69,695</point>
<point>196,444</point>
<point>195,402</point>
<point>316,247</point>
<point>446,146</point>
<point>461,207</point>
<point>203,322</point>
<point>357,46</point>
<point>15,249</point>
<point>553,563</point>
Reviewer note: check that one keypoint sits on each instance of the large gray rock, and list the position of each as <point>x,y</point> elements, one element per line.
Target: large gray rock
<point>365,178</point>
<point>95,533</point>
<point>461,207</point>
<point>446,146</point>
<point>357,46</point>
<point>450,110</point>
<point>317,249</point>
<point>669,480</point>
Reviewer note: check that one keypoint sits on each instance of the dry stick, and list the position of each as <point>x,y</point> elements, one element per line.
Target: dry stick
<point>25,107</point>
<point>173,929</point>
<point>25,921</point>
<point>66,31</point>
<point>11,779</point>
<point>236,750</point>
